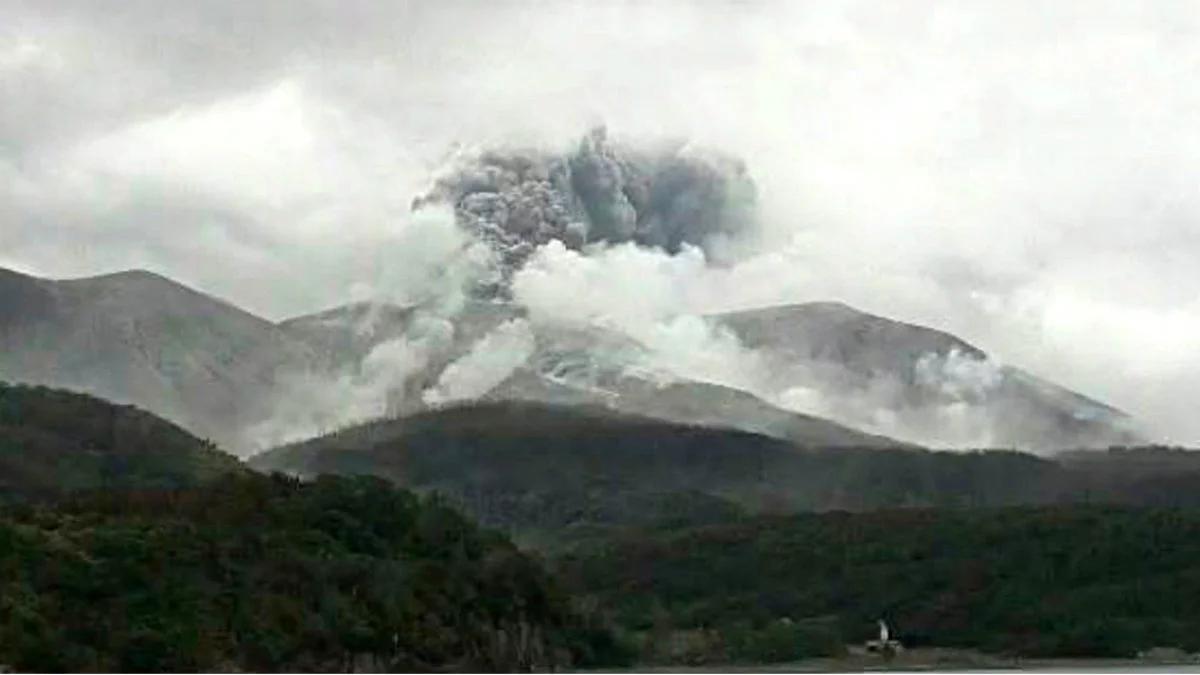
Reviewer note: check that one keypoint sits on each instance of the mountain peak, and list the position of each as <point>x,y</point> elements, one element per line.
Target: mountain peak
<point>8,273</point>
<point>941,389</point>
<point>135,275</point>
<point>826,325</point>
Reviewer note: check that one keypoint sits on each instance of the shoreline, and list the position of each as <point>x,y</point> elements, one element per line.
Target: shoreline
<point>942,660</point>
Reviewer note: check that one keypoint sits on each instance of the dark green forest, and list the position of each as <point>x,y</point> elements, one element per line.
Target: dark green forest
<point>269,574</point>
<point>542,471</point>
<point>127,544</point>
<point>1062,581</point>
<point>54,442</point>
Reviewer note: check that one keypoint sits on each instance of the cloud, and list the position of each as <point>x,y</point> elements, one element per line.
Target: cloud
<point>1018,173</point>
<point>232,151</point>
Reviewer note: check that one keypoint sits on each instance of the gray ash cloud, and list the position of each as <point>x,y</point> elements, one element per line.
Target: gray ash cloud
<point>667,197</point>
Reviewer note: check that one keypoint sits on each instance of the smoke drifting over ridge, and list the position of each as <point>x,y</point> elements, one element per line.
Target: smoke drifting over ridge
<point>488,249</point>
<point>1018,174</point>
<point>609,239</point>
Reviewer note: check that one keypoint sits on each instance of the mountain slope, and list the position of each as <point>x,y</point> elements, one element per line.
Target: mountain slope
<point>136,337</point>
<point>1070,581</point>
<point>533,467</point>
<point>931,386</point>
<point>551,472</point>
<point>831,331</point>
<point>344,335</point>
<point>266,574</point>
<point>567,365</point>
<point>225,374</point>
<point>692,403</point>
<point>54,441</point>
<point>847,370</point>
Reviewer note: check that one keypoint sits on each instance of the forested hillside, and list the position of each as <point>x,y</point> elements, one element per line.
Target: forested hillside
<point>262,573</point>
<point>54,441</point>
<point>549,470</point>
<point>1072,581</point>
<point>128,544</point>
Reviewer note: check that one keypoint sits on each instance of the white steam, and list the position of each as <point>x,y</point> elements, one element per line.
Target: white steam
<point>430,262</point>
<point>662,300</point>
<point>489,362</point>
<point>1020,173</point>
<point>959,376</point>
<point>642,293</point>
<point>313,402</point>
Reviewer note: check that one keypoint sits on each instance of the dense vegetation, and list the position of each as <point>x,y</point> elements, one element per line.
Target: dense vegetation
<point>531,466</point>
<point>54,441</point>
<point>536,469</point>
<point>1046,581</point>
<point>265,573</point>
<point>128,544</point>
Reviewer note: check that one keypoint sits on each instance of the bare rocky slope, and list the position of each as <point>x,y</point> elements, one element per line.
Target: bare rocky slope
<point>870,380</point>
<point>140,338</point>
<point>932,385</point>
<point>567,365</point>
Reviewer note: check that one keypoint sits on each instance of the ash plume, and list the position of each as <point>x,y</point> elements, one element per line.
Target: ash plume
<point>514,254</point>
<point>599,192</point>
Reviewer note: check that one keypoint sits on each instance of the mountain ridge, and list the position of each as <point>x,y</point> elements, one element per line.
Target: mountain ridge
<point>927,377</point>
<point>136,336</point>
<point>54,441</point>
<point>139,337</point>
<point>549,472</point>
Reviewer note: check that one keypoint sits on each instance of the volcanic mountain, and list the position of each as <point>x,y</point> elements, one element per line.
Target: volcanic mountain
<point>552,472</point>
<point>137,337</point>
<point>929,386</point>
<point>832,371</point>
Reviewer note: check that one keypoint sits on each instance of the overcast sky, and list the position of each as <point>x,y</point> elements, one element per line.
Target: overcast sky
<point>1024,174</point>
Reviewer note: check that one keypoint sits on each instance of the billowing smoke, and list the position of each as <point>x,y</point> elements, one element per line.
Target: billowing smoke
<point>601,209</point>
<point>489,361</point>
<point>958,376</point>
<point>599,192</point>
<point>314,402</point>
<point>520,267</point>
<point>643,293</point>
